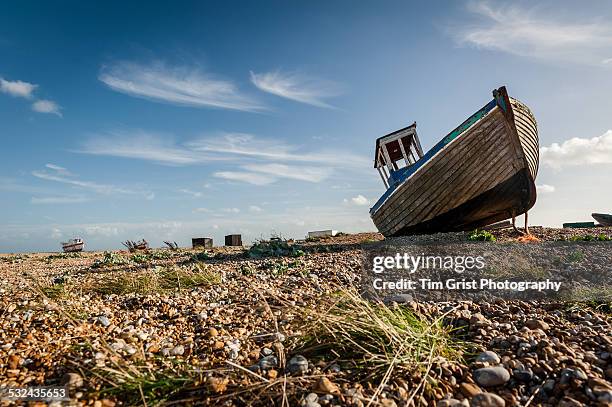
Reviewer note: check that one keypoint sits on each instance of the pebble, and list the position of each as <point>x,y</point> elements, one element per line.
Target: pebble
<point>537,324</point>
<point>298,365</point>
<point>469,389</point>
<point>326,386</point>
<point>488,357</point>
<point>268,362</point>
<point>449,403</point>
<point>491,376</point>
<point>72,380</point>
<point>177,350</point>
<point>487,400</point>
<point>104,321</point>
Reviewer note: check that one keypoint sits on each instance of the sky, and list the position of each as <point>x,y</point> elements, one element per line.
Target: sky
<point>195,119</point>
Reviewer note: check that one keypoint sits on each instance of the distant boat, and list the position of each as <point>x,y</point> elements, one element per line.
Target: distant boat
<point>482,172</point>
<point>604,219</point>
<point>73,245</point>
<point>133,246</point>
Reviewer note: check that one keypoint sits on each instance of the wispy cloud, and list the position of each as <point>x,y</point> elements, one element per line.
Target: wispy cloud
<point>141,145</point>
<point>247,177</point>
<point>46,106</point>
<point>250,146</point>
<point>536,32</point>
<point>195,194</point>
<point>358,200</point>
<point>297,87</point>
<point>17,88</point>
<point>58,169</point>
<point>178,85</point>
<point>54,200</point>
<point>545,189</point>
<point>578,152</point>
<point>301,173</point>
<point>262,161</point>
<point>255,208</point>
<point>62,175</point>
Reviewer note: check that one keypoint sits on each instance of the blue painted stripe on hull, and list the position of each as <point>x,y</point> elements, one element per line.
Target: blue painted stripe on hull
<point>433,151</point>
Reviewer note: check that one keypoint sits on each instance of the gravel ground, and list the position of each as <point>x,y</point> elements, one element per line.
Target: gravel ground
<point>221,328</point>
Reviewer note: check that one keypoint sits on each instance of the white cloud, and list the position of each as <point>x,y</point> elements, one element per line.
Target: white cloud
<point>62,175</point>
<point>201,210</point>
<point>97,230</point>
<point>359,200</point>
<point>255,208</point>
<point>264,174</point>
<point>230,210</point>
<point>195,194</point>
<point>56,233</point>
<point>578,151</point>
<point>297,87</point>
<point>17,88</point>
<point>98,188</point>
<point>250,146</point>
<point>161,148</point>
<point>536,33</point>
<point>545,189</point>
<point>46,106</point>
<point>58,169</point>
<point>176,85</point>
<point>301,173</point>
<point>248,177</point>
<point>141,145</point>
<point>52,200</point>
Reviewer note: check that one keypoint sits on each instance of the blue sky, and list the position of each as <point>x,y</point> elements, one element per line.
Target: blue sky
<point>122,121</point>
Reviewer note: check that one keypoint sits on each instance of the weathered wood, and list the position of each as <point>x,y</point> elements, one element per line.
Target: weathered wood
<point>233,240</point>
<point>494,157</point>
<point>604,219</point>
<point>205,242</point>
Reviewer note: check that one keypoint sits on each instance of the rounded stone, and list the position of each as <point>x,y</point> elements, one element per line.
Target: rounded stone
<point>298,365</point>
<point>488,357</point>
<point>487,400</point>
<point>491,376</point>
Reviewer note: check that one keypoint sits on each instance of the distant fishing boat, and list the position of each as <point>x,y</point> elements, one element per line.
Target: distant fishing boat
<point>482,172</point>
<point>134,246</point>
<point>604,219</point>
<point>73,245</point>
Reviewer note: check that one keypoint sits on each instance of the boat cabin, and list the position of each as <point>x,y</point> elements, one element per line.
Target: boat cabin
<point>396,153</point>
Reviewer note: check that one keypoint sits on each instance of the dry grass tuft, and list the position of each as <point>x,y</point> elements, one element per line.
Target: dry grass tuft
<point>376,337</point>
<point>158,280</point>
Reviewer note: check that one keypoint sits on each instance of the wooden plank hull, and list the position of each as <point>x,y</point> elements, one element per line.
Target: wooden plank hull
<point>603,218</point>
<point>482,176</point>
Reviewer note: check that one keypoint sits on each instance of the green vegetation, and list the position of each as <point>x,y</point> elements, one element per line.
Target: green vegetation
<point>158,280</point>
<point>61,256</point>
<point>274,248</point>
<point>481,236</point>
<point>109,259</point>
<point>144,388</point>
<point>17,258</point>
<point>201,256</point>
<point>575,256</point>
<point>590,238</point>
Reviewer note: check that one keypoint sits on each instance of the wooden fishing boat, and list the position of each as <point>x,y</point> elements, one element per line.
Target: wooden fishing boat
<point>134,246</point>
<point>604,219</point>
<point>482,172</point>
<point>73,245</point>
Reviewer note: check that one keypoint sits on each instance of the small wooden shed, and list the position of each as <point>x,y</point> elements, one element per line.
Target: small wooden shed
<point>233,240</point>
<point>205,242</point>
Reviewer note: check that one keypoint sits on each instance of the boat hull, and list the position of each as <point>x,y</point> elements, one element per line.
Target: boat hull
<point>75,247</point>
<point>603,218</point>
<point>485,175</point>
